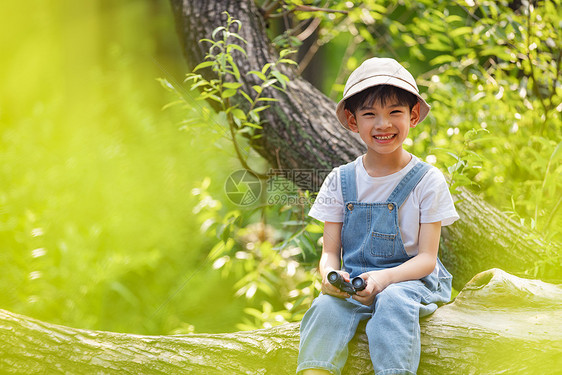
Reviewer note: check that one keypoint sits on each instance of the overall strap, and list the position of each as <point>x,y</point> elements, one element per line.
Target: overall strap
<point>408,183</point>
<point>348,185</point>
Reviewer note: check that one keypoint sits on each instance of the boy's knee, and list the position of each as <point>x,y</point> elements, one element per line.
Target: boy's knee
<point>328,301</point>
<point>330,310</point>
<point>325,304</point>
<point>397,295</point>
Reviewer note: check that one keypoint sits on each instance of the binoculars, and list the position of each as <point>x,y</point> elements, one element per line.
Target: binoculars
<point>352,287</point>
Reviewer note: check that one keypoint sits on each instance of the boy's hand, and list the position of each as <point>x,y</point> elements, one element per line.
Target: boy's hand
<point>328,288</point>
<point>376,282</point>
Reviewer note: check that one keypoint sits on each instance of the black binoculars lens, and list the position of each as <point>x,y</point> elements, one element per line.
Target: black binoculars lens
<point>358,283</point>
<point>333,276</point>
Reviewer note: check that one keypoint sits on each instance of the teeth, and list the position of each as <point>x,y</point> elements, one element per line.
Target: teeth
<point>385,137</point>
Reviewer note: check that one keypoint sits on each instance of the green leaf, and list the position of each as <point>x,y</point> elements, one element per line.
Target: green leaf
<point>204,64</point>
<point>288,61</point>
<point>408,40</point>
<point>462,180</point>
<point>454,18</point>
<point>443,59</point>
<point>455,156</point>
<point>267,100</point>
<point>259,74</point>
<point>225,233</point>
<point>238,113</point>
<point>460,31</point>
<point>463,52</point>
<point>237,48</point>
<point>269,82</point>
<point>239,37</point>
<point>259,109</point>
<point>191,76</point>
<point>252,125</point>
<point>232,85</point>
<point>265,67</point>
<point>257,88</point>
<point>286,52</point>
<point>215,31</point>
<point>498,51</point>
<point>455,167</point>
<point>235,70</point>
<point>199,84</point>
<point>166,84</point>
<point>247,97</point>
<point>228,93</point>
<point>211,96</point>
<point>282,78</point>
<point>374,7</point>
<point>254,116</point>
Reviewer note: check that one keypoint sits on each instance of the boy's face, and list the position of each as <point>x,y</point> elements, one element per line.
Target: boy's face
<point>384,128</point>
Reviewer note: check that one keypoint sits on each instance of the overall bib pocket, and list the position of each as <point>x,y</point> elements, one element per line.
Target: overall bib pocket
<point>382,244</point>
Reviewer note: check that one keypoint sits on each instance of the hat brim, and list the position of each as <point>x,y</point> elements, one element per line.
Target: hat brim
<point>375,81</point>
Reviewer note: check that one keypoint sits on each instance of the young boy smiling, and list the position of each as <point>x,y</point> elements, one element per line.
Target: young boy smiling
<point>382,217</point>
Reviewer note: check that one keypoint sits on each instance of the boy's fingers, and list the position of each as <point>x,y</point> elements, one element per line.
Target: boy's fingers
<point>333,291</point>
<point>339,295</point>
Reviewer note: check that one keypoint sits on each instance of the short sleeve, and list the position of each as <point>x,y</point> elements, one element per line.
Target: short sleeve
<point>328,205</point>
<point>436,202</point>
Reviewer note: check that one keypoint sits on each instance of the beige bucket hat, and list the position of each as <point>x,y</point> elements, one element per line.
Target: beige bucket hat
<point>379,71</point>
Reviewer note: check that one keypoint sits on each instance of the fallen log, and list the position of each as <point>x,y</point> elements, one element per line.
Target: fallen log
<point>498,324</point>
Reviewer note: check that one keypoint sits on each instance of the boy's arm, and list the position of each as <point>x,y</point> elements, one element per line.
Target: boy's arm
<point>417,267</point>
<point>331,258</point>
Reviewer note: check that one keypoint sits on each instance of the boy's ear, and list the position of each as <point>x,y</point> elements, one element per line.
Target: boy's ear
<point>351,121</point>
<point>415,115</point>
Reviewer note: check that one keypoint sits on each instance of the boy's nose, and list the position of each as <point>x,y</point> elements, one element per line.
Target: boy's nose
<point>382,122</point>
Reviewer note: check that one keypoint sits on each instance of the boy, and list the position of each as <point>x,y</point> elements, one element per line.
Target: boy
<point>382,218</point>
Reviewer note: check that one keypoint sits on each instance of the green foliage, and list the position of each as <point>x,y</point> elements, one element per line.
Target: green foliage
<point>267,260</point>
<point>96,227</point>
<point>464,161</point>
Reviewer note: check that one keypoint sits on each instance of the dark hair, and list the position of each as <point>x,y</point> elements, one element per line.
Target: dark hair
<point>380,94</point>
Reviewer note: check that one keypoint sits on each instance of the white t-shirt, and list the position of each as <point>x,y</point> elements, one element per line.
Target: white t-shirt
<point>429,202</point>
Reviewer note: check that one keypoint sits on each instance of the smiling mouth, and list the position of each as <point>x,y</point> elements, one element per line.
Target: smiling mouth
<point>384,137</point>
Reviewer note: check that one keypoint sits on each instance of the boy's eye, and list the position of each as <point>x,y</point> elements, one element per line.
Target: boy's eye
<point>395,112</point>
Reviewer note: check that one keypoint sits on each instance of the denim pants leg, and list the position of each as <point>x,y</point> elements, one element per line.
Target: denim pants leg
<point>394,330</point>
<point>326,330</point>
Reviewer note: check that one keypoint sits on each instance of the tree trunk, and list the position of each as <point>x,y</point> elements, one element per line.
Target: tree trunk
<point>501,324</point>
<point>302,133</point>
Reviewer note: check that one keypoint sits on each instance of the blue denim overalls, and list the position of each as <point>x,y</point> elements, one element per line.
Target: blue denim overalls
<point>371,240</point>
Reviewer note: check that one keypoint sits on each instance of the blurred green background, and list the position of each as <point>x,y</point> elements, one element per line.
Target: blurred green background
<point>96,221</point>
<point>113,214</point>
